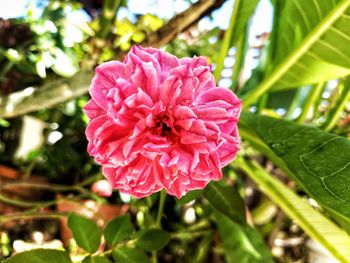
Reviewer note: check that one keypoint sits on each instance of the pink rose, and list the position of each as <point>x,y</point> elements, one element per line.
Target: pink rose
<point>157,122</point>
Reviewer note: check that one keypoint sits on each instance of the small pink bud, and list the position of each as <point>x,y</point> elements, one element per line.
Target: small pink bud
<point>102,188</point>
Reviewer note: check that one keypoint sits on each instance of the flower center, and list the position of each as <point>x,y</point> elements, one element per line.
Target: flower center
<point>164,127</point>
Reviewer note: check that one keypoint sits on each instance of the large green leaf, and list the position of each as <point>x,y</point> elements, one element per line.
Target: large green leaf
<point>312,45</point>
<point>315,224</point>
<point>118,229</point>
<point>227,201</point>
<point>320,161</point>
<point>152,239</point>
<point>241,243</point>
<point>40,256</point>
<point>85,232</point>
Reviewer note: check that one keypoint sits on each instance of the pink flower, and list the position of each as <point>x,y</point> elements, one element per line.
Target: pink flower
<point>102,188</point>
<point>160,122</point>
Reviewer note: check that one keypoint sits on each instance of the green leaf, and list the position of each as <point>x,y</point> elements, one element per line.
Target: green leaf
<point>41,67</point>
<point>315,224</point>
<point>318,160</point>
<point>194,194</point>
<point>152,239</point>
<point>242,11</point>
<point>65,65</point>
<point>85,231</point>
<point>241,243</point>
<point>96,259</point>
<point>130,255</point>
<point>312,45</point>
<point>4,123</point>
<point>227,201</point>
<point>118,229</point>
<point>40,256</point>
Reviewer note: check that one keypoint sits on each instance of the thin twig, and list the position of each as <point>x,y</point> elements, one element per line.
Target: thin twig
<point>49,187</point>
<point>30,216</point>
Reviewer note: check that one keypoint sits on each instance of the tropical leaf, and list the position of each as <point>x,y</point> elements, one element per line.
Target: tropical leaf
<point>312,45</point>
<point>313,157</point>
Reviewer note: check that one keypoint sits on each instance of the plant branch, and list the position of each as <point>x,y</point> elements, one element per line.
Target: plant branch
<point>32,215</point>
<point>19,203</point>
<point>50,187</point>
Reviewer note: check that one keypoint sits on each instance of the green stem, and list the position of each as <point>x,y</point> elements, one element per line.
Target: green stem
<point>19,203</point>
<point>239,60</point>
<point>313,95</point>
<point>35,206</point>
<point>294,104</point>
<point>109,13</point>
<point>49,187</point>
<point>262,103</point>
<point>6,68</point>
<point>335,113</point>
<point>162,197</point>
<point>189,235</point>
<point>226,41</point>
<point>29,216</point>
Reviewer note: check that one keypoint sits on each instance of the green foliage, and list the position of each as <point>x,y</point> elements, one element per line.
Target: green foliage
<point>316,225</point>
<point>180,48</point>
<point>317,48</point>
<point>226,200</point>
<point>190,196</point>
<point>85,231</point>
<point>118,229</point>
<point>96,259</point>
<point>324,23</point>
<point>312,156</point>
<point>241,242</point>
<point>40,256</point>
<point>130,33</point>
<point>130,255</point>
<point>302,76</point>
<point>241,14</point>
<point>152,239</point>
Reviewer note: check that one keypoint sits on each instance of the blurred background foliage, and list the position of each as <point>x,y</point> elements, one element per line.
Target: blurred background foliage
<point>45,171</point>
